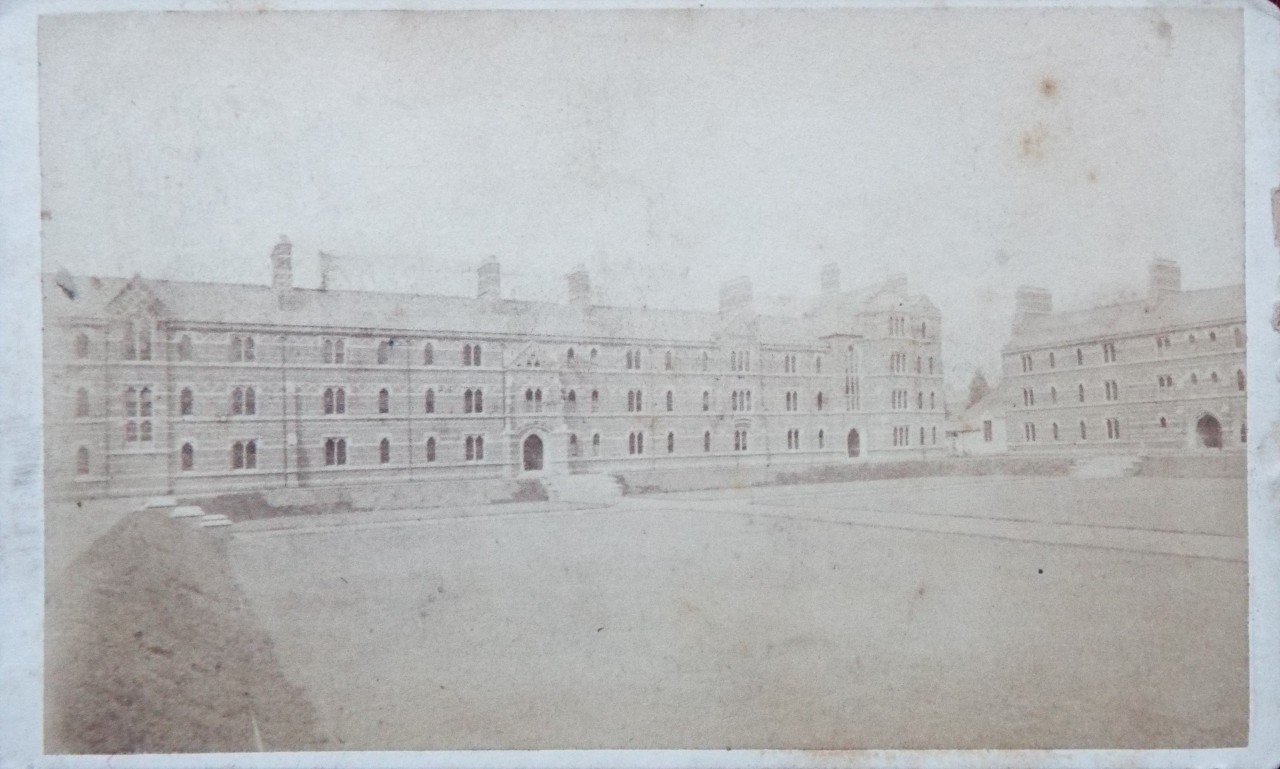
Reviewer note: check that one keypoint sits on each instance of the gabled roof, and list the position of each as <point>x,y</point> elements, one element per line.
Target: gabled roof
<point>92,298</point>
<point>1171,310</point>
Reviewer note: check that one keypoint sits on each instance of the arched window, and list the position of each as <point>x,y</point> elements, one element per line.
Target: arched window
<point>817,365</point>
<point>429,403</point>
<point>384,352</point>
<point>706,442</point>
<point>475,361</point>
<point>468,401</point>
<point>706,401</point>
<point>328,400</point>
<point>82,345</point>
<point>1213,336</point>
<point>326,349</point>
<point>733,361</point>
<point>428,354</point>
<point>920,400</point>
<point>572,399</point>
<point>734,400</point>
<point>667,361</point>
<point>384,401</point>
<point>1083,433</point>
<point>250,455</point>
<point>569,355</point>
<point>631,400</point>
<point>595,400</point>
<point>631,443</point>
<point>237,348</point>
<point>188,457</point>
<point>822,438</point>
<point>671,442</point>
<point>237,401</point>
<point>340,356</point>
<point>595,445</point>
<point>1213,377</point>
<point>670,401</point>
<point>594,353</point>
<point>629,363</point>
<point>1079,356</point>
<point>933,403</point>
<point>639,443</point>
<point>1052,361</point>
<point>470,450</point>
<point>818,401</point>
<point>1053,394</point>
<point>573,445</point>
<point>250,401</point>
<point>466,355</point>
<point>249,352</point>
<point>184,348</point>
<point>1195,379</point>
<point>737,440</point>
<point>1055,431</point>
<point>537,399</point>
<point>82,461</point>
<point>384,451</point>
<point>130,346</point>
<point>1164,422</point>
<point>480,401</point>
<point>431,449</point>
<point>237,456</point>
<point>82,402</point>
<point>1080,393</point>
<point>1240,380</point>
<point>144,343</point>
<point>1191,338</point>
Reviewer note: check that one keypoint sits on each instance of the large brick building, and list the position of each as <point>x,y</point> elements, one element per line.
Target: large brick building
<point>179,387</point>
<point>1161,374</point>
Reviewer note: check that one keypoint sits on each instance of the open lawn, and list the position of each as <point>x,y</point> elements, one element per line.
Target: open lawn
<point>924,613</point>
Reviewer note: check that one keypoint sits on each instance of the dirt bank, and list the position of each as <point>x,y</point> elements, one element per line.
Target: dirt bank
<point>150,649</point>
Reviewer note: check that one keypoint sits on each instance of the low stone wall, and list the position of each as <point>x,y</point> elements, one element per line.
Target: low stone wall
<point>729,477</point>
<point>1199,465</point>
<point>149,649</point>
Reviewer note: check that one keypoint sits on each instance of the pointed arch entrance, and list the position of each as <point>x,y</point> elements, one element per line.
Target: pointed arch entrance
<point>854,443</point>
<point>1209,432</point>
<point>531,452</point>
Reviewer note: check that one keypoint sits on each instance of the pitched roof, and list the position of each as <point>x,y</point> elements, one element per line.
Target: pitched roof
<point>1171,310</point>
<point>253,305</point>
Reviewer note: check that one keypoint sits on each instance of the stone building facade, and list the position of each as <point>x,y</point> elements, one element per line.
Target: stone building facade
<point>191,388</point>
<point>1162,374</point>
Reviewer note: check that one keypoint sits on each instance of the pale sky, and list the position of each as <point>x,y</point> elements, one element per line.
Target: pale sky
<point>668,151</point>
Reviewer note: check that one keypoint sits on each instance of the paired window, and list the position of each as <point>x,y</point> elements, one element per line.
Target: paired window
<point>244,401</point>
<point>242,349</point>
<point>335,451</point>
<point>633,359</point>
<point>333,351</point>
<point>740,360</point>
<point>1165,381</point>
<point>474,448</point>
<point>1163,343</point>
<point>471,355</point>
<point>1109,352</point>
<point>1027,364</point>
<point>532,399</point>
<point>334,400</point>
<point>1029,431</point>
<point>1113,429</point>
<point>789,364</point>
<point>635,443</point>
<point>1112,390</point>
<point>137,414</point>
<point>244,455</point>
<point>473,401</point>
<point>137,341</point>
<point>793,439</point>
<point>739,440</point>
<point>635,400</point>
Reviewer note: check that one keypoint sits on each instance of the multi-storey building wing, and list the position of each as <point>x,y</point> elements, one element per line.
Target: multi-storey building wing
<point>179,387</point>
<point>1164,373</point>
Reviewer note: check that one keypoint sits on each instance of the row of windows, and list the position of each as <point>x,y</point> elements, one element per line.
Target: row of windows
<point>898,327</point>
<point>1111,390</point>
<point>1109,354</point>
<point>898,363</point>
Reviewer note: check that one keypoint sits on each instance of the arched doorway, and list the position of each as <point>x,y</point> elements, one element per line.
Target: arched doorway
<point>532,453</point>
<point>854,443</point>
<point>1209,431</point>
